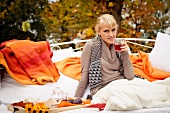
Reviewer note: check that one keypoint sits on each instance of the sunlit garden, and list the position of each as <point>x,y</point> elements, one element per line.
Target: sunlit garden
<point>67,20</point>
<point>84,56</point>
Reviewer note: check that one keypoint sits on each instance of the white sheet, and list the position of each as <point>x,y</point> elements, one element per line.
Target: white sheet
<point>3,109</point>
<point>151,110</point>
<point>12,91</point>
<point>135,94</point>
<point>69,85</point>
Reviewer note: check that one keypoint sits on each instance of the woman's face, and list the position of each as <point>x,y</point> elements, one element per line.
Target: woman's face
<point>108,34</point>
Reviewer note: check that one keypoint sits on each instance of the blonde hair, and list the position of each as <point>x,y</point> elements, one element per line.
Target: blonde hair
<point>105,19</point>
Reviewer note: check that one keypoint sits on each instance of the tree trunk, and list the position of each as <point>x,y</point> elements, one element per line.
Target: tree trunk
<point>116,10</point>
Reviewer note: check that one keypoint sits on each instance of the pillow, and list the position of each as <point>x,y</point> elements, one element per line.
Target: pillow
<point>61,54</point>
<point>159,56</point>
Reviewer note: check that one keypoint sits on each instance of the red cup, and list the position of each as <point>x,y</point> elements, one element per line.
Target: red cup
<point>118,44</point>
<point>118,47</point>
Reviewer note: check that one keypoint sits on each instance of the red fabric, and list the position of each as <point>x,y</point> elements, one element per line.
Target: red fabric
<point>101,106</point>
<point>28,62</point>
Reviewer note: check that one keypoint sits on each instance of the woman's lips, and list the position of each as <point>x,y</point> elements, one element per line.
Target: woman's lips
<point>112,39</point>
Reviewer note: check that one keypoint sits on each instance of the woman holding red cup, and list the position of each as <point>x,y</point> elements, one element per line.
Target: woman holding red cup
<point>100,61</point>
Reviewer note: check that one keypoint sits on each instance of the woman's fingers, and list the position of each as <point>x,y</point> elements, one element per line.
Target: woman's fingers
<point>124,46</point>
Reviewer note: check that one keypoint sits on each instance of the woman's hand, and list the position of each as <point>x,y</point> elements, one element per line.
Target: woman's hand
<point>124,46</point>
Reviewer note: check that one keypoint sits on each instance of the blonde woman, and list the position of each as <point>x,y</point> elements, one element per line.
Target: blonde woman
<point>100,62</point>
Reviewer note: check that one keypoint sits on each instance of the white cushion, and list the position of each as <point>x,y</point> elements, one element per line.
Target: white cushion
<point>61,54</point>
<point>160,55</point>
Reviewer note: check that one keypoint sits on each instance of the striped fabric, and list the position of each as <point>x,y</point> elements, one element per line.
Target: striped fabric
<point>94,70</point>
<point>28,62</point>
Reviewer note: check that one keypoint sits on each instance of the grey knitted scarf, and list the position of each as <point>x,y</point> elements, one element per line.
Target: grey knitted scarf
<point>94,70</point>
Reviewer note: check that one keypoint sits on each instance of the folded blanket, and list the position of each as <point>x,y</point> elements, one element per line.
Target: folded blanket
<point>143,68</point>
<point>70,67</point>
<point>28,62</point>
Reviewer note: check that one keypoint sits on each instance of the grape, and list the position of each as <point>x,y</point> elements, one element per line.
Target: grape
<point>77,101</point>
<point>71,100</point>
<point>89,97</point>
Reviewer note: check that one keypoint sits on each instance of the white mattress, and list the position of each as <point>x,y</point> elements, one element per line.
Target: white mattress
<point>152,110</point>
<point>67,84</point>
<point>3,109</point>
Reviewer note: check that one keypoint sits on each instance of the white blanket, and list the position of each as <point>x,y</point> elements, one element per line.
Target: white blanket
<point>134,94</point>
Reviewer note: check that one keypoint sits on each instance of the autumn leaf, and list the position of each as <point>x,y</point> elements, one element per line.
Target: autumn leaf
<point>25,26</point>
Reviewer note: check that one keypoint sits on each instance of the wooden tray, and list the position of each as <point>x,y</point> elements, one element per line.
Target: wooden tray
<point>17,109</point>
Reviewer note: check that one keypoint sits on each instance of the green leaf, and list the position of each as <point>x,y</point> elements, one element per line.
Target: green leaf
<point>25,26</point>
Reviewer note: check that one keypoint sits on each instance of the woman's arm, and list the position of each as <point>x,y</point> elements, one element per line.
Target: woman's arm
<point>85,63</point>
<point>127,65</point>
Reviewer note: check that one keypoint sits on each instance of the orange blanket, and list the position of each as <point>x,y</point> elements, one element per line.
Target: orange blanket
<point>70,67</point>
<point>142,67</point>
<point>28,62</point>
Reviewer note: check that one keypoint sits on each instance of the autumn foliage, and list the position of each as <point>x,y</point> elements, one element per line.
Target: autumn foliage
<point>62,20</point>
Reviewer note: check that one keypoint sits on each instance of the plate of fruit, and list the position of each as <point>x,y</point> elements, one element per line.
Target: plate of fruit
<point>49,106</point>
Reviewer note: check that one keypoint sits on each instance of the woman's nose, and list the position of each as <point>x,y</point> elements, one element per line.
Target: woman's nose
<point>111,34</point>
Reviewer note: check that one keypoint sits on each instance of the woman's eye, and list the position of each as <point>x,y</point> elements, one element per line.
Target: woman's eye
<point>106,30</point>
<point>109,30</point>
<point>113,29</point>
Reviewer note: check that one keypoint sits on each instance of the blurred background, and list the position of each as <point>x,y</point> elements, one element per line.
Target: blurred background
<point>66,20</point>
